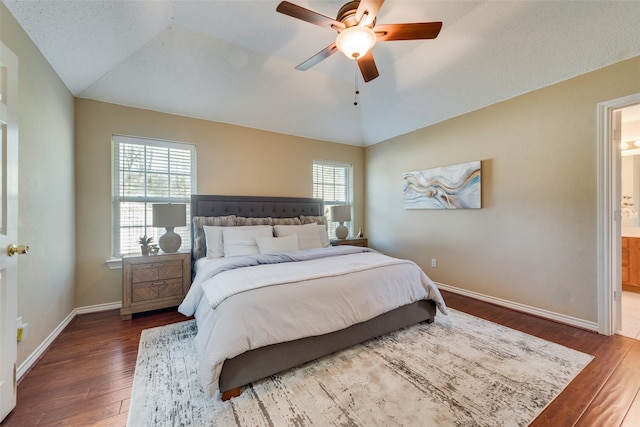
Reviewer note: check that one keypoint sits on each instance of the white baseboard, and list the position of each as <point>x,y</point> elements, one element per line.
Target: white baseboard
<point>98,307</point>
<point>569,320</point>
<point>39,351</point>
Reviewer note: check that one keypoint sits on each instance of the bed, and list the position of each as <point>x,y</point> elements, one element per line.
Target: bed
<point>246,333</point>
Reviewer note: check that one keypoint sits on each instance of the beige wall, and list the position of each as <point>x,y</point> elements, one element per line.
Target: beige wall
<point>230,160</point>
<point>46,186</point>
<point>534,240</point>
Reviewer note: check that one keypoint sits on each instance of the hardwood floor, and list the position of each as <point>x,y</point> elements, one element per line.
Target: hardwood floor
<point>85,377</point>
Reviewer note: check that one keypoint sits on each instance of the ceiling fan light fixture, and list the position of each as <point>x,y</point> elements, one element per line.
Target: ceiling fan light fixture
<point>356,41</point>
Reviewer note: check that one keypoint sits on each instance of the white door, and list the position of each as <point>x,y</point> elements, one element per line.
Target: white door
<point>8,227</point>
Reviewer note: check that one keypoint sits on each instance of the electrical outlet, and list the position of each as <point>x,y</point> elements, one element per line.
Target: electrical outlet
<point>22,331</point>
<point>434,263</point>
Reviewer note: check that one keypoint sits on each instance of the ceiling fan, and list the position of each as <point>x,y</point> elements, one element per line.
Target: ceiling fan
<point>358,32</point>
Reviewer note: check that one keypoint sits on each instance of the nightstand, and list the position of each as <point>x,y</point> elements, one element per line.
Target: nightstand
<point>356,241</point>
<point>153,282</point>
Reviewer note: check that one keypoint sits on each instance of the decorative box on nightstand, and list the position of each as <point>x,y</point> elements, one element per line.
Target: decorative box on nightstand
<point>357,241</point>
<point>153,282</point>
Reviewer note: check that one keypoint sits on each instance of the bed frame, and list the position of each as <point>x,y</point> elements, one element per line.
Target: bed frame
<point>263,362</point>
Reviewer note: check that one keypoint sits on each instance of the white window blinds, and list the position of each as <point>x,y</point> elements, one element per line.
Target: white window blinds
<point>148,171</point>
<point>333,182</point>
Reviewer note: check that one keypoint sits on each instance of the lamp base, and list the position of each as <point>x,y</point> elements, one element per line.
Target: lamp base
<point>342,232</point>
<point>170,241</point>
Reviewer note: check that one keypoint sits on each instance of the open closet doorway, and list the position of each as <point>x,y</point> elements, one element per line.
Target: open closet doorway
<point>609,212</point>
<point>630,220</point>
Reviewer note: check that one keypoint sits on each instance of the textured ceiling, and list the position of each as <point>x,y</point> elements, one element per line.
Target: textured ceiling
<point>233,61</point>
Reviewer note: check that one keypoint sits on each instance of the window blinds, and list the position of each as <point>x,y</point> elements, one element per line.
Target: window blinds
<point>333,182</point>
<point>148,171</point>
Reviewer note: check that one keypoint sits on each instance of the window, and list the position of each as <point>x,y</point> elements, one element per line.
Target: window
<point>333,182</point>
<point>147,171</point>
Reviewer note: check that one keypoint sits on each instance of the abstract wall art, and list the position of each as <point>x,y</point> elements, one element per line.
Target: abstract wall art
<point>447,187</point>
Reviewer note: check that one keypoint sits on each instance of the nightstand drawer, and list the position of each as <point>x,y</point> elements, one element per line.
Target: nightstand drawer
<point>156,271</point>
<point>146,291</point>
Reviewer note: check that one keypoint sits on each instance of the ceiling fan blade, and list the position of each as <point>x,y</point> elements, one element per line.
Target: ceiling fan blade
<point>368,67</point>
<point>307,15</point>
<point>415,31</point>
<point>368,9</point>
<point>323,54</point>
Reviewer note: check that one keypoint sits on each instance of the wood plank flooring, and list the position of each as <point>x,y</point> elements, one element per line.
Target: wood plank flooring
<point>85,377</point>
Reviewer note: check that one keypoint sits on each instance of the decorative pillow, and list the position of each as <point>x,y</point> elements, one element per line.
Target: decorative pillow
<point>313,219</point>
<point>241,220</point>
<point>214,239</point>
<point>242,240</point>
<point>324,236</point>
<point>286,221</point>
<point>277,245</point>
<point>199,238</point>
<point>308,236</point>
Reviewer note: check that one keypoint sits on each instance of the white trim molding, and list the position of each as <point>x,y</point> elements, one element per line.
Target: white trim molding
<point>42,348</point>
<point>557,317</point>
<point>114,263</point>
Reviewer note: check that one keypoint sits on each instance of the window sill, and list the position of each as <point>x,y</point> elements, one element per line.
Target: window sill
<point>114,263</point>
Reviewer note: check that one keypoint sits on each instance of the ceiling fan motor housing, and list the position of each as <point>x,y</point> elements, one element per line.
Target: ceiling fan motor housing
<point>347,15</point>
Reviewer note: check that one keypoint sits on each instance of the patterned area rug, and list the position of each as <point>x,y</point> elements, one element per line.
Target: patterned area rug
<point>458,371</point>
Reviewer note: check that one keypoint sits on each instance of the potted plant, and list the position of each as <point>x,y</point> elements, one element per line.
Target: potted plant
<point>144,244</point>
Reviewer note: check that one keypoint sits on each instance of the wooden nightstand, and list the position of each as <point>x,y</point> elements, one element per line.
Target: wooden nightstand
<point>153,282</point>
<point>356,241</point>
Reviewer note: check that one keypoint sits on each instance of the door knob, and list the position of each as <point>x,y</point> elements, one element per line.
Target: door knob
<point>13,249</point>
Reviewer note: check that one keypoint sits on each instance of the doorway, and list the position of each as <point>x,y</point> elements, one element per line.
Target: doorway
<point>630,221</point>
<point>609,213</point>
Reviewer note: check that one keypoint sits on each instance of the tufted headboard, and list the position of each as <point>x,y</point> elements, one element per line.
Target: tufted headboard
<point>257,207</point>
<point>230,210</point>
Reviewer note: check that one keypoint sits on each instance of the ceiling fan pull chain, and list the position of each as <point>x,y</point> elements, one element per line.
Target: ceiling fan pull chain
<point>357,92</point>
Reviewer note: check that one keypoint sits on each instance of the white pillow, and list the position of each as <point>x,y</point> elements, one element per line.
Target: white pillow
<point>277,245</point>
<point>213,238</point>
<point>308,236</point>
<point>324,236</point>
<point>242,240</point>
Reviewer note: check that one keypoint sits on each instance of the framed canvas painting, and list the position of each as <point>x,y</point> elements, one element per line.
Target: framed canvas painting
<point>447,187</point>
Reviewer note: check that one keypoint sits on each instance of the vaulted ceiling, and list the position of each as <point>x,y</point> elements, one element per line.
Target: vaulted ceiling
<point>234,61</point>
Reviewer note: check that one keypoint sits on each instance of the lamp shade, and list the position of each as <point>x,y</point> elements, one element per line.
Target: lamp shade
<point>169,215</point>
<point>341,213</point>
<point>356,41</point>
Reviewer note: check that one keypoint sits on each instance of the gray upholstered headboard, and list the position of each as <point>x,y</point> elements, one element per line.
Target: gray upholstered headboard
<point>257,207</point>
<point>230,209</point>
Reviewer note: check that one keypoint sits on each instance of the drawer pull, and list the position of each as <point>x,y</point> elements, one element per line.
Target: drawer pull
<point>156,265</point>
<point>161,282</point>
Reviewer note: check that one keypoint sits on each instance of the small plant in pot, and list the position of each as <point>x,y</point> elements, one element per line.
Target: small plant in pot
<point>145,243</point>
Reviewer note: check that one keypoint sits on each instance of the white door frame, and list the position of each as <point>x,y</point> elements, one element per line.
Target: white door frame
<point>609,215</point>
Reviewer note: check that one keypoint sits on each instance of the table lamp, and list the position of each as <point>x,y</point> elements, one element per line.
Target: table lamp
<point>169,215</point>
<point>341,214</point>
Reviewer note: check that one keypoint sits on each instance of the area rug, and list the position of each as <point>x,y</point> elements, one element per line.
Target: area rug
<point>458,371</point>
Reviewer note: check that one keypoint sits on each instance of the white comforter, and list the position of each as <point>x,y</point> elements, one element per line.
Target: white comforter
<point>243,303</point>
